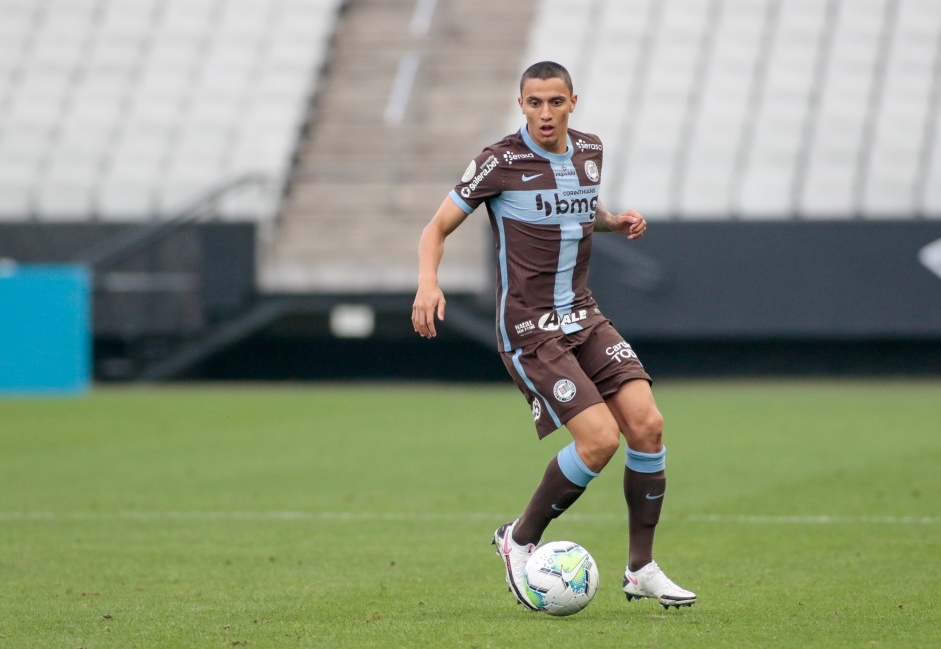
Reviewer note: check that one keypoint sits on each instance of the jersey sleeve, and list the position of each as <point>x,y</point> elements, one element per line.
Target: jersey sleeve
<point>481,180</point>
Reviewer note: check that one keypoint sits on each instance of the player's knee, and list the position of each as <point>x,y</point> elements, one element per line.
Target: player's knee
<point>603,445</point>
<point>647,432</point>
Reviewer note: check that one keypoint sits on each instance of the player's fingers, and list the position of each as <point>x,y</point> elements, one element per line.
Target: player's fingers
<point>419,320</point>
<point>637,230</point>
<point>423,318</point>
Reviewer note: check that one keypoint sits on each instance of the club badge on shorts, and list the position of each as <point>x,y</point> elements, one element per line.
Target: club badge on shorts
<point>563,390</point>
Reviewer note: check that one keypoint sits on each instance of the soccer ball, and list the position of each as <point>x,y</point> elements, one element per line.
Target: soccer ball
<point>561,578</point>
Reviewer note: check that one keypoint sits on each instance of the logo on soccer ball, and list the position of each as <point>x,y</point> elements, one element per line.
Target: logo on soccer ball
<point>591,170</point>
<point>563,390</point>
<point>537,409</point>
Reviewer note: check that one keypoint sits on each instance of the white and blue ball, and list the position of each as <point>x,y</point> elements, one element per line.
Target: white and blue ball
<point>561,578</point>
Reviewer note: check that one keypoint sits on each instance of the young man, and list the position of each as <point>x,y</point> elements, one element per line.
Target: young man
<point>540,186</point>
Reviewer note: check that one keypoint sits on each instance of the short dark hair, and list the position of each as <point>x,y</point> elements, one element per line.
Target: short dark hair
<point>547,70</point>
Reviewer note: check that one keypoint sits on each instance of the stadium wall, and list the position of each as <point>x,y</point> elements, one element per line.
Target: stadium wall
<point>694,298</point>
<point>774,280</point>
<point>153,286</point>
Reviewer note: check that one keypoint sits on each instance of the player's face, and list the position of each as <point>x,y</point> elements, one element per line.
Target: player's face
<point>547,103</point>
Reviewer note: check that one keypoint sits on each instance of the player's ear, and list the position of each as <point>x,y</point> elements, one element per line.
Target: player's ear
<point>574,101</point>
<point>519,100</point>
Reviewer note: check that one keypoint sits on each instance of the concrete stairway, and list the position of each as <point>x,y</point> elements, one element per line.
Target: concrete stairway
<point>371,171</point>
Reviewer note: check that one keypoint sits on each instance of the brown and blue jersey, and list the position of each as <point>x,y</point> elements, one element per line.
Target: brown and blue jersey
<point>542,213</point>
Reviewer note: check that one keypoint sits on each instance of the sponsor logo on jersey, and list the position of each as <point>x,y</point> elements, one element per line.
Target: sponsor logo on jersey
<point>552,321</point>
<point>564,172</point>
<point>510,157</point>
<point>591,170</point>
<point>524,328</point>
<point>588,146</point>
<point>620,352</point>
<point>469,172</point>
<point>563,390</point>
<point>567,205</point>
<point>489,165</point>
<point>537,409</point>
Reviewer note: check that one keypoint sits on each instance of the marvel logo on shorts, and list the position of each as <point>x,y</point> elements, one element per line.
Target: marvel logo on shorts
<point>563,390</point>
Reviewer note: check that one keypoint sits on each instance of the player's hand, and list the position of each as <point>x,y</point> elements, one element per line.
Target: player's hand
<point>630,223</point>
<point>429,302</point>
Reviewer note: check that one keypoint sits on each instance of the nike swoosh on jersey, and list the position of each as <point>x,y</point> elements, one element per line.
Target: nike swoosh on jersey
<point>526,178</point>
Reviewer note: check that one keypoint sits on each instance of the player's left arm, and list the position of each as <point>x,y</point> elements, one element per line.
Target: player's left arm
<point>630,222</point>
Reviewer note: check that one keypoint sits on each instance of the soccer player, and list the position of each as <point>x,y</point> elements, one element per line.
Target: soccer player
<point>541,186</point>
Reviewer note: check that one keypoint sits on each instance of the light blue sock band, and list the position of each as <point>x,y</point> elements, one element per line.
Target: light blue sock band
<point>646,462</point>
<point>573,467</point>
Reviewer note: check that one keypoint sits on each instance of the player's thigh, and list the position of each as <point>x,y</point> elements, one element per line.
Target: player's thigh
<point>637,414</point>
<point>616,369</point>
<point>556,387</point>
<point>607,359</point>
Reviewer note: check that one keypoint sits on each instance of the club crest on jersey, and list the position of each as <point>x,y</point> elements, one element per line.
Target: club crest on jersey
<point>552,321</point>
<point>591,170</point>
<point>563,390</point>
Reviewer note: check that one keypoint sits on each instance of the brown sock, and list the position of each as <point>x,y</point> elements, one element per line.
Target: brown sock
<point>644,493</point>
<point>554,495</point>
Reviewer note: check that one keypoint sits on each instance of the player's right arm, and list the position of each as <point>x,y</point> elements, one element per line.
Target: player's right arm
<point>429,299</point>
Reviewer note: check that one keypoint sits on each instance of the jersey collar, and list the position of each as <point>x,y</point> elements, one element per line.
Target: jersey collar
<point>538,150</point>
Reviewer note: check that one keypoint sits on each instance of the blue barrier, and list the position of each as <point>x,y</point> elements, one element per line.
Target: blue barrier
<point>45,329</point>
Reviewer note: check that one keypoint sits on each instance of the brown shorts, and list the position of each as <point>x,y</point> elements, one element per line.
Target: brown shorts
<point>560,377</point>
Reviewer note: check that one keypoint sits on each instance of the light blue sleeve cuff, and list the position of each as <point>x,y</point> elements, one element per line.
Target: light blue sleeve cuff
<point>460,202</point>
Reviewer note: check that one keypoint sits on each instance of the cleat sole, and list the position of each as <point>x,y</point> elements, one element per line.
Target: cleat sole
<point>676,606</point>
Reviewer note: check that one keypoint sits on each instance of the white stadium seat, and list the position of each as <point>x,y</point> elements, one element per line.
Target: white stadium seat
<point>735,109</point>
<point>123,109</point>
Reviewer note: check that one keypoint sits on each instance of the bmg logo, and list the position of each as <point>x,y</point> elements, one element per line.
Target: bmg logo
<point>567,206</point>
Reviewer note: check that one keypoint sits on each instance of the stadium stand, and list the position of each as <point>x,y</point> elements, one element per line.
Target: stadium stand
<point>753,109</point>
<point>123,109</point>
<point>758,109</point>
<point>415,88</point>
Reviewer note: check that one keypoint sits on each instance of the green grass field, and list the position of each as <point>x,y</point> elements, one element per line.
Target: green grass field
<point>804,514</point>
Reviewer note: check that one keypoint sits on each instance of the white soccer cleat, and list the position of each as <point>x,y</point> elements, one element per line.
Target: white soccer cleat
<point>514,558</point>
<point>650,581</point>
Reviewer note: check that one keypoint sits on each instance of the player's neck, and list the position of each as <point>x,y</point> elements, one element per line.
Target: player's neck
<point>558,145</point>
